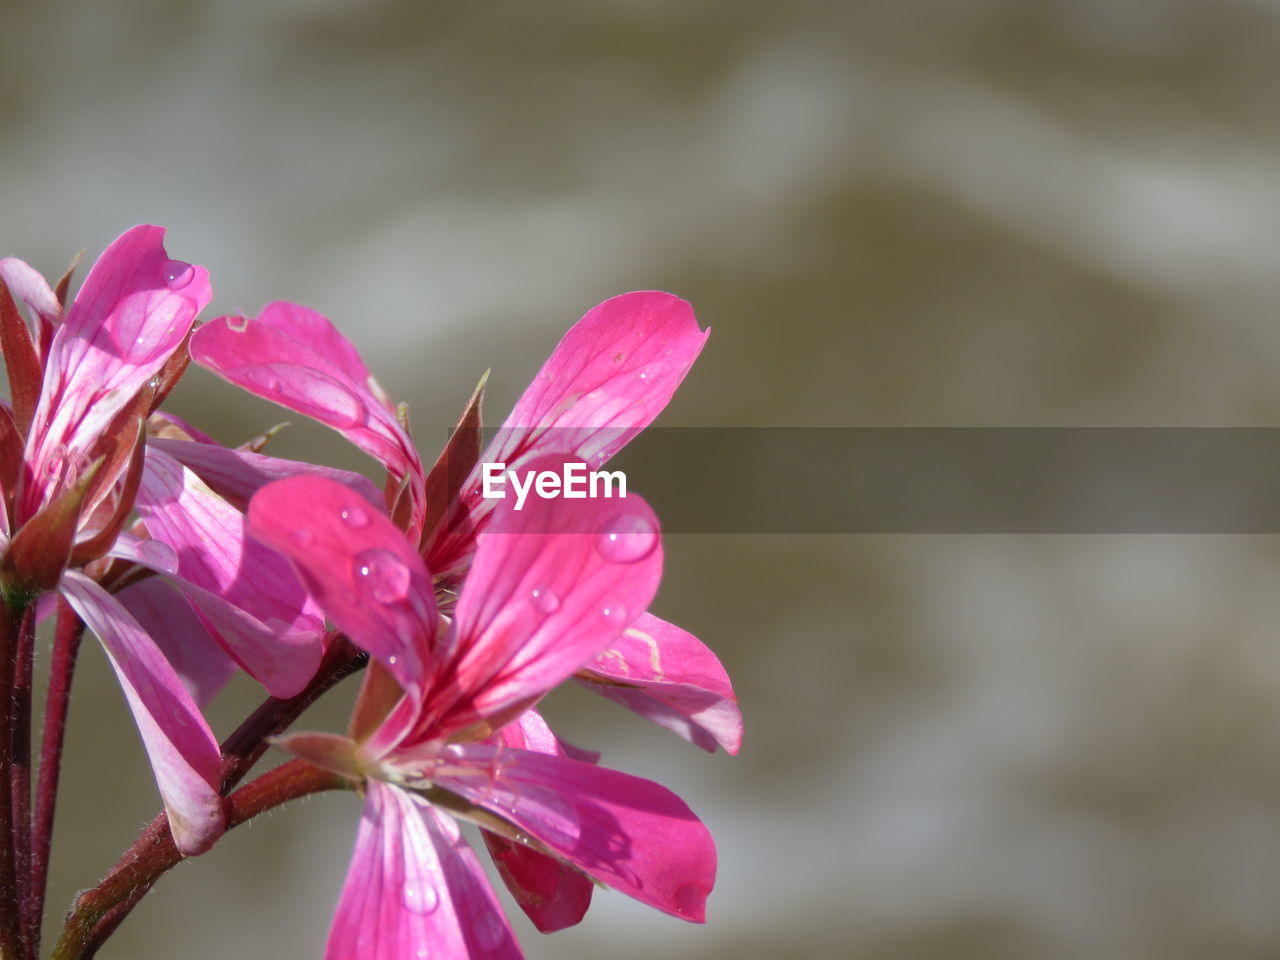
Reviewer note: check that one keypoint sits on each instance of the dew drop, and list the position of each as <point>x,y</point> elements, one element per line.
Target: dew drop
<point>392,660</point>
<point>238,324</point>
<point>546,600</point>
<point>615,613</point>
<point>627,538</point>
<point>381,574</point>
<point>690,900</point>
<point>177,274</point>
<point>619,357</point>
<point>303,537</point>
<point>355,517</point>
<point>419,896</point>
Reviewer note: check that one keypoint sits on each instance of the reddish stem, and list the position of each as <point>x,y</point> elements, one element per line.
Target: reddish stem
<point>155,853</point>
<point>12,613</point>
<point>66,646</point>
<point>20,771</point>
<point>240,752</point>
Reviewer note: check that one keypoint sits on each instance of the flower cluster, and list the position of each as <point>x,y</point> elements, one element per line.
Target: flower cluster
<point>190,560</point>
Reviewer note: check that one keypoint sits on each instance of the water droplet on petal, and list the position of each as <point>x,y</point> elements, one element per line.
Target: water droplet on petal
<point>303,537</point>
<point>690,900</point>
<point>381,574</point>
<point>392,659</point>
<point>177,274</point>
<point>615,613</point>
<point>546,600</point>
<point>419,896</point>
<point>627,538</point>
<point>238,324</point>
<point>355,517</point>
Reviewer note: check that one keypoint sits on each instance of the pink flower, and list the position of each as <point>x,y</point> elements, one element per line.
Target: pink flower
<point>609,377</point>
<point>71,459</point>
<point>444,725</point>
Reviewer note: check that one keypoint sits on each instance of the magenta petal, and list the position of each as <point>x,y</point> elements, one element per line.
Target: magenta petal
<point>168,619</point>
<point>247,593</point>
<point>539,602</point>
<point>133,312</point>
<point>613,372</point>
<point>182,749</point>
<point>415,889</point>
<point>360,568</point>
<point>609,377</point>
<point>670,677</point>
<point>238,474</point>
<point>550,892</point>
<point>630,833</point>
<point>295,357</point>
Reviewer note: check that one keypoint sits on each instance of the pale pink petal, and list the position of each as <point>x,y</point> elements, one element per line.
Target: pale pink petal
<point>168,619</point>
<point>611,375</point>
<point>634,835</point>
<point>238,474</point>
<point>552,894</point>
<point>246,593</point>
<point>29,287</point>
<point>539,602</point>
<point>359,567</point>
<point>670,677</point>
<point>134,310</point>
<point>415,889</point>
<point>296,358</point>
<point>182,749</point>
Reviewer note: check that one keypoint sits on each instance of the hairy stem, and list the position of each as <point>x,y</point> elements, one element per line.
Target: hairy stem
<point>240,752</point>
<point>155,852</point>
<point>66,647</point>
<point>20,771</point>
<point>12,612</point>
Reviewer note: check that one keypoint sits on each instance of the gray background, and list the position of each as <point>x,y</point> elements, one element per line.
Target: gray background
<point>892,213</point>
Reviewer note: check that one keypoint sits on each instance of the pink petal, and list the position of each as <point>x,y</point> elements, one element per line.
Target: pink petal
<point>246,593</point>
<point>538,602</point>
<point>182,749</point>
<point>167,617</point>
<point>634,835</point>
<point>614,371</point>
<point>551,893</point>
<point>670,677</point>
<point>611,375</point>
<point>360,568</point>
<point>296,358</point>
<point>133,312</point>
<point>29,287</point>
<point>415,889</point>
<point>237,474</point>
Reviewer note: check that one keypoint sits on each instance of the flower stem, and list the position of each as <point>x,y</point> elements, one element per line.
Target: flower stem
<point>240,752</point>
<point>13,610</point>
<point>155,852</point>
<point>66,646</point>
<point>20,771</point>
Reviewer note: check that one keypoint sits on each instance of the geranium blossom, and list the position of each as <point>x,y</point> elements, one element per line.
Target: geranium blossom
<point>444,724</point>
<point>82,386</point>
<point>609,377</point>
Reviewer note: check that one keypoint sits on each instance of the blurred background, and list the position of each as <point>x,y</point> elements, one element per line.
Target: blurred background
<point>892,212</point>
